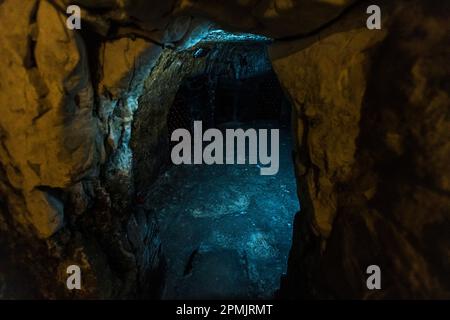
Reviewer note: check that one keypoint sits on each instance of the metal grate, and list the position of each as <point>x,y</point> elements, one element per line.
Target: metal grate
<point>179,116</point>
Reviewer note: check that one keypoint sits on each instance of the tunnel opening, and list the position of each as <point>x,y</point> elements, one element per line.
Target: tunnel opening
<point>225,229</point>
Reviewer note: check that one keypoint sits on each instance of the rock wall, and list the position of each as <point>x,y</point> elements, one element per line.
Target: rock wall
<point>63,124</point>
<point>372,133</point>
<point>37,81</point>
<point>66,188</point>
<point>207,63</point>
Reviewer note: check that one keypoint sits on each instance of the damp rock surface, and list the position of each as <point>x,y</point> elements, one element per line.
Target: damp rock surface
<point>225,229</point>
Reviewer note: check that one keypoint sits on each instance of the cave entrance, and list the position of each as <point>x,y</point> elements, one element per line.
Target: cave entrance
<point>225,229</point>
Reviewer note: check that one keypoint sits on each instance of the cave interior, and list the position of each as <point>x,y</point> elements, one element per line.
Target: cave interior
<point>86,172</point>
<point>225,229</point>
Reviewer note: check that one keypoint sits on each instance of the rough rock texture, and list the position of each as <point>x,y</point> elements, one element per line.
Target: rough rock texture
<point>125,63</point>
<point>68,101</point>
<point>174,71</point>
<point>47,101</point>
<point>52,149</point>
<point>275,18</point>
<point>372,131</point>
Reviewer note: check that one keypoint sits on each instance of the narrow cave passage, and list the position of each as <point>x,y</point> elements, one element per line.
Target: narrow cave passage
<point>225,229</point>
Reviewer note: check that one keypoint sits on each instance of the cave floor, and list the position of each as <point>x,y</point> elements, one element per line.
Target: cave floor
<point>225,229</point>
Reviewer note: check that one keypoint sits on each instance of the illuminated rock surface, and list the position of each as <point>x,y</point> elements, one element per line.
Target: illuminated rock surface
<point>225,230</point>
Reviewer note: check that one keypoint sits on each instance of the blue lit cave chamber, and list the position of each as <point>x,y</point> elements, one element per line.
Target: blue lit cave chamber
<point>225,229</point>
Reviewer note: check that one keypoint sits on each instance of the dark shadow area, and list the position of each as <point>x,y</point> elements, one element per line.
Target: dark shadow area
<point>226,229</point>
